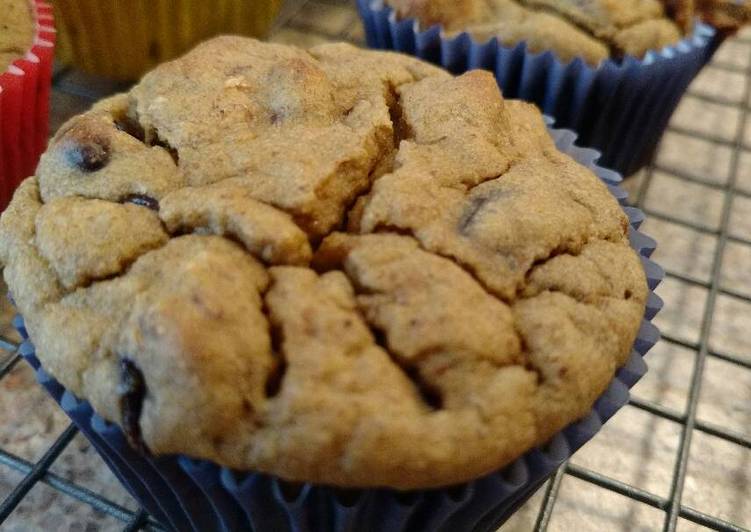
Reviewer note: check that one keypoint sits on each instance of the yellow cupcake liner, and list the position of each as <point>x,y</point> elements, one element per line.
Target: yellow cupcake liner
<point>124,38</point>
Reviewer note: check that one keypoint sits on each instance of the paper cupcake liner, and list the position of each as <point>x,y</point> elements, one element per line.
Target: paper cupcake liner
<point>24,106</point>
<point>185,494</point>
<point>620,108</point>
<point>145,33</point>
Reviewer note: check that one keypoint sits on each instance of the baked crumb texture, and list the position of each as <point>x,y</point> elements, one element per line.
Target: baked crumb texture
<point>594,30</point>
<point>16,31</point>
<point>336,266</point>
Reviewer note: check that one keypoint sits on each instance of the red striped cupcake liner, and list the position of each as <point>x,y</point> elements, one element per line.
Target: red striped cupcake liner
<point>24,105</point>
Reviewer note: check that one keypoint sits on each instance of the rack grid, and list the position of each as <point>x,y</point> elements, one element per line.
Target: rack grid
<point>293,20</point>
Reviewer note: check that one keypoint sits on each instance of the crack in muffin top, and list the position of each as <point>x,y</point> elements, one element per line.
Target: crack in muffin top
<point>336,266</point>
<point>594,30</point>
<point>16,31</point>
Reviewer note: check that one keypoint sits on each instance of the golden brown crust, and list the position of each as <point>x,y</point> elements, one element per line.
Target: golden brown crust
<point>591,29</point>
<point>728,16</point>
<point>16,31</point>
<point>682,11</point>
<point>451,14</point>
<point>181,262</point>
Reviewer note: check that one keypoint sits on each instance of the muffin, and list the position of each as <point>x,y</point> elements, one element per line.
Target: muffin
<point>148,32</point>
<point>334,267</point>
<point>26,44</point>
<point>17,24</point>
<point>613,71</point>
<point>728,16</point>
<point>594,31</point>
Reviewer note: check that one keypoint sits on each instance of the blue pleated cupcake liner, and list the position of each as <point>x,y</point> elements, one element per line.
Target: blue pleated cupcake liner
<point>184,494</point>
<point>620,108</point>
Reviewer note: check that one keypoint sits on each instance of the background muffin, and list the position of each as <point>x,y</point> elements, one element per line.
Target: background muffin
<point>142,33</point>
<point>26,47</point>
<point>612,71</point>
<point>594,31</point>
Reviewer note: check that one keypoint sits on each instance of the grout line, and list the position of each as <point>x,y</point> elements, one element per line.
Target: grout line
<point>678,221</point>
<point>729,67</point>
<point>717,100</point>
<point>694,226</point>
<point>681,174</point>
<point>714,139</point>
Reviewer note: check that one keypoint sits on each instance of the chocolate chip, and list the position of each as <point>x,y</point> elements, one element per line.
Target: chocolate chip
<point>142,200</point>
<point>90,155</point>
<point>131,391</point>
<point>475,206</point>
<point>127,125</point>
<point>429,392</point>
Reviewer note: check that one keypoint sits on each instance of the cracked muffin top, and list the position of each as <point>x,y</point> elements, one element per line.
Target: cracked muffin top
<point>591,29</point>
<point>338,266</point>
<point>16,31</point>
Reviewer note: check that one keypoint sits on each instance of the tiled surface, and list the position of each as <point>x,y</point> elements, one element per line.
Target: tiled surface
<point>737,279</point>
<point>726,396</point>
<point>718,480</point>
<point>668,381</point>
<point>730,330</point>
<point>688,202</point>
<point>686,198</point>
<point>682,316</point>
<point>583,506</point>
<point>720,83</point>
<point>678,242</point>
<point>717,120</point>
<point>709,162</point>
<point>647,447</point>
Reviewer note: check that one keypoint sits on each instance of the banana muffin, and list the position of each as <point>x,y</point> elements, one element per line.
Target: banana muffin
<point>16,31</point>
<point>727,16</point>
<point>334,266</point>
<point>594,30</point>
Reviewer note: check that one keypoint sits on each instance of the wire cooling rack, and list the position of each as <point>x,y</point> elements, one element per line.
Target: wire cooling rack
<point>309,22</point>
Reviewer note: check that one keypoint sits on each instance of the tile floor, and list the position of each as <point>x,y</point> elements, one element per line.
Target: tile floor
<point>692,209</point>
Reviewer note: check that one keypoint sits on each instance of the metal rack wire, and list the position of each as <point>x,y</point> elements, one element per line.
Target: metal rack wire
<point>672,505</point>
